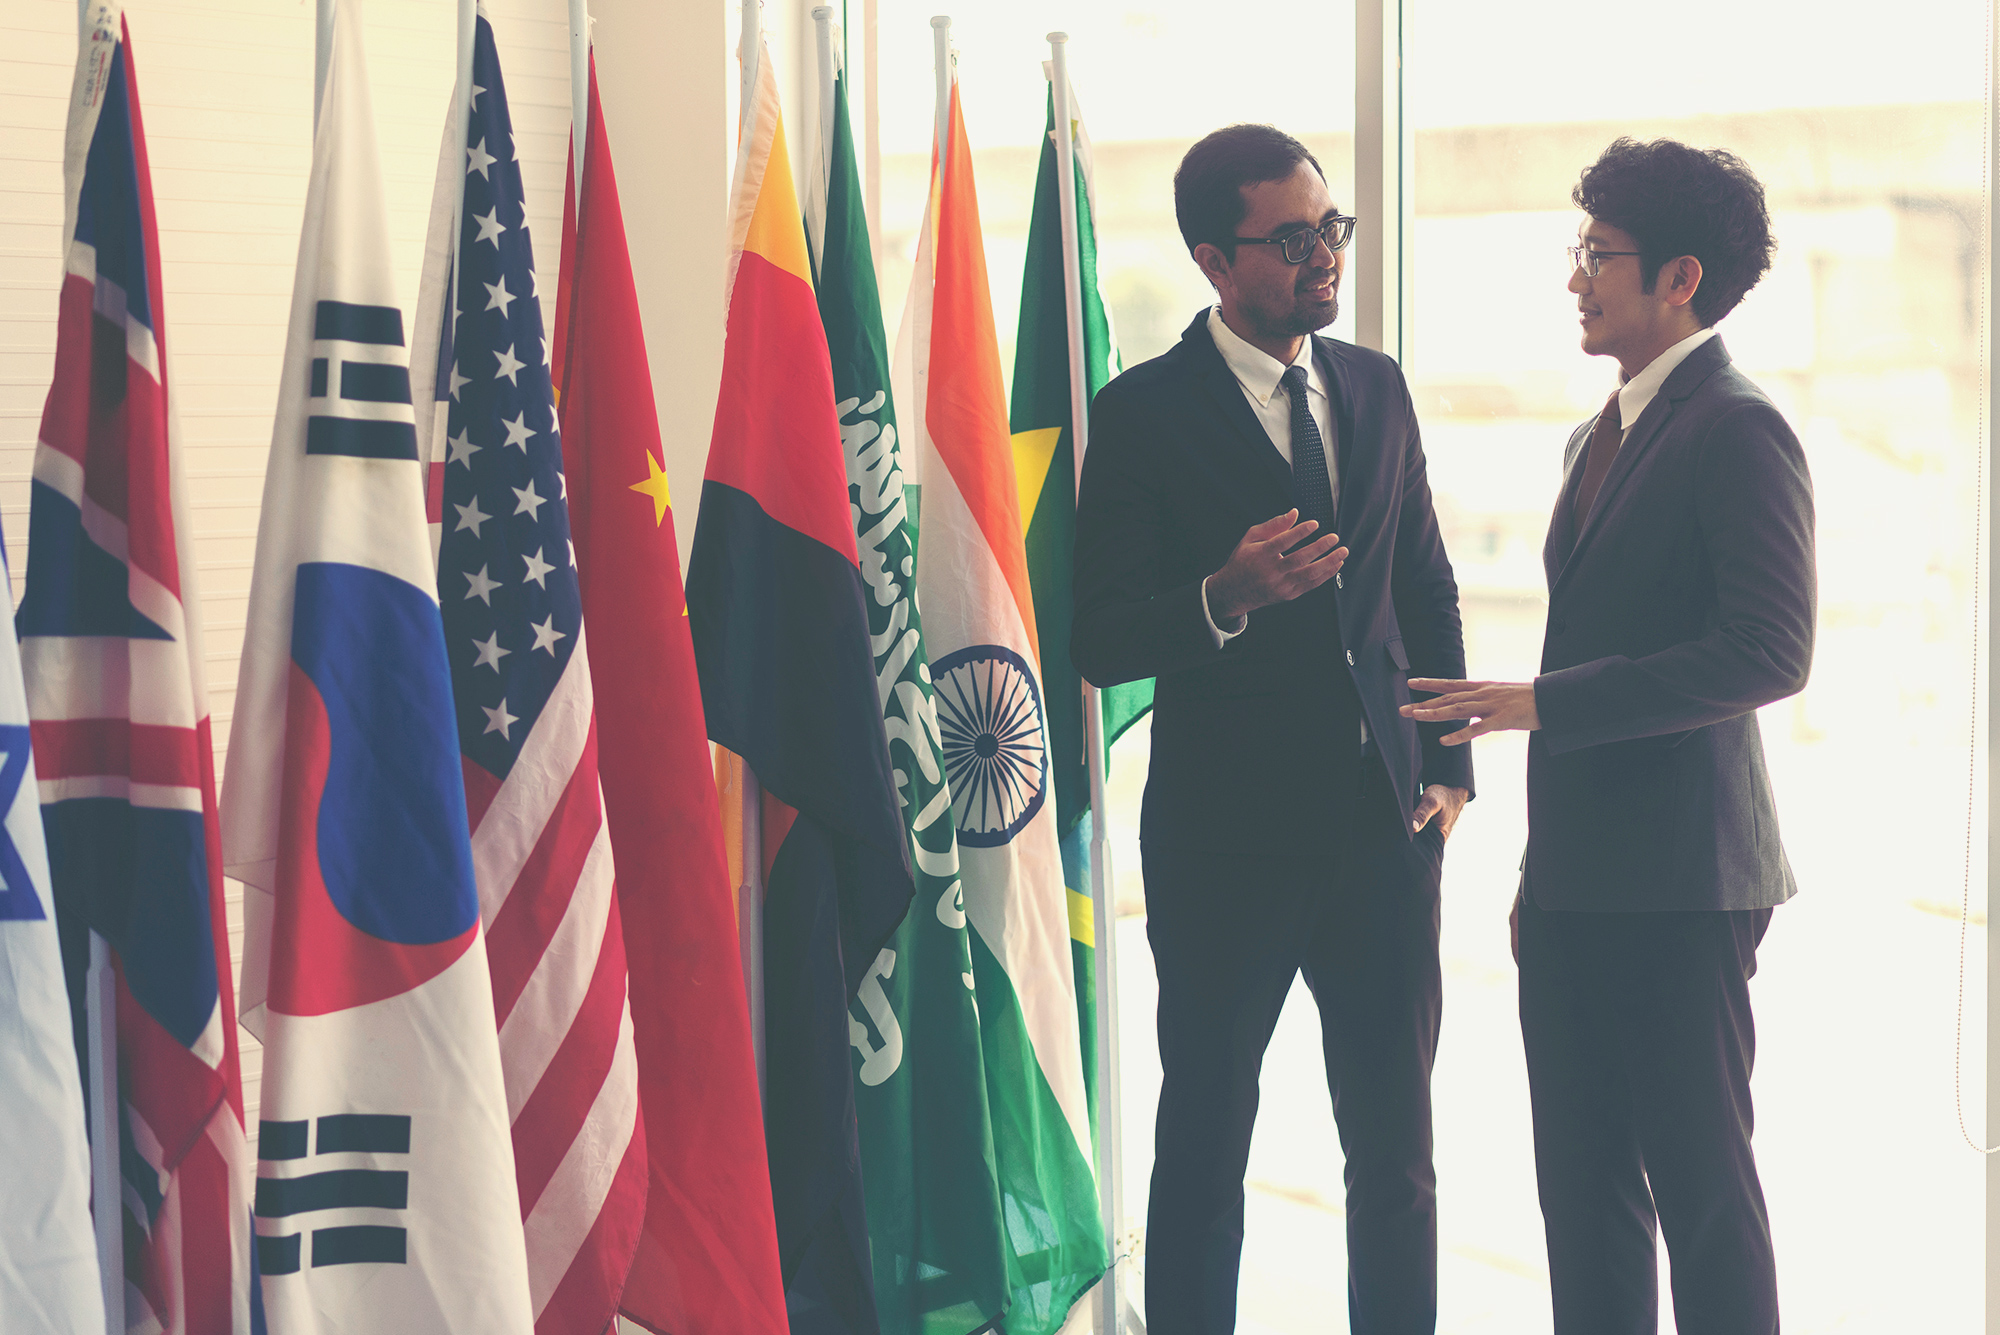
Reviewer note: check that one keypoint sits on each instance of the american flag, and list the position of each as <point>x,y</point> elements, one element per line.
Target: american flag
<point>513,615</point>
<point>111,652</point>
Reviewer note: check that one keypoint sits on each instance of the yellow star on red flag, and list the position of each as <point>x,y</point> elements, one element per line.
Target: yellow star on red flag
<point>655,486</point>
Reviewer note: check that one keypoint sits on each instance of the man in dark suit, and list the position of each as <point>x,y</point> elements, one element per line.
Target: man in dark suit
<point>1681,598</point>
<point>1255,530</point>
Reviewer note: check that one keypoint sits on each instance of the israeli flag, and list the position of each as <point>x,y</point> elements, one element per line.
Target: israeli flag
<point>48,1254</point>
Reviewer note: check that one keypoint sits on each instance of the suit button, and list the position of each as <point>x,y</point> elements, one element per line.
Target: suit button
<point>1336,582</point>
<point>1350,658</point>
<point>1559,625</point>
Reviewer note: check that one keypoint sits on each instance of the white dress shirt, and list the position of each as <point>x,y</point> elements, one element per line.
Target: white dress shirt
<point>1643,388</point>
<point>1258,374</point>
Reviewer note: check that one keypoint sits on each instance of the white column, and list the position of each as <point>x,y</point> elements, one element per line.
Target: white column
<point>1381,274</point>
<point>1987,665</point>
<point>664,66</point>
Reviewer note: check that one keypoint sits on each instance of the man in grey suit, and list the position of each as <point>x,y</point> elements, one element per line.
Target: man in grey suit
<point>1681,598</point>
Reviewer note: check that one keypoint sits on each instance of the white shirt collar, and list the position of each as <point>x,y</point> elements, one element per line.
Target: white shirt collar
<point>1255,369</point>
<point>1643,388</point>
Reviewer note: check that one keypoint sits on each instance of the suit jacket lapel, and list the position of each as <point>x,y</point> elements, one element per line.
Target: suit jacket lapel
<point>1699,365</point>
<point>1221,386</point>
<point>1353,488</point>
<point>1561,541</point>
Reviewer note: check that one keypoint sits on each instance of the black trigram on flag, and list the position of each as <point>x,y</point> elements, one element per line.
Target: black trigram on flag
<point>335,1189</point>
<point>360,384</point>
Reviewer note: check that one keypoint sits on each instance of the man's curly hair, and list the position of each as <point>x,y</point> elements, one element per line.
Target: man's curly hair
<point>1676,200</point>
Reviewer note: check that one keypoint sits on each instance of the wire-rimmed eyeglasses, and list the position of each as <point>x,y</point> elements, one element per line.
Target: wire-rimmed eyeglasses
<point>1590,261</point>
<point>1336,231</point>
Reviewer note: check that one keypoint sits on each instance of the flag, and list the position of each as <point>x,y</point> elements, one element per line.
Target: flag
<point>1045,467</point>
<point>778,608</point>
<point>926,1139</point>
<point>112,656</point>
<point>527,731</point>
<point>48,1254</point>
<point>385,1191</point>
<point>979,618</point>
<point>707,1258</point>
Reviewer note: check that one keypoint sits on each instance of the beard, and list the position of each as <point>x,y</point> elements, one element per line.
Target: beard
<point>1308,316</point>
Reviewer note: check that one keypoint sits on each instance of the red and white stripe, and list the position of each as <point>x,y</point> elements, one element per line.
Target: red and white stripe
<point>548,901</point>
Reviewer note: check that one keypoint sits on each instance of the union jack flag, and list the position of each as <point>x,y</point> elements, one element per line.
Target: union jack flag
<point>513,617</point>
<point>111,650</point>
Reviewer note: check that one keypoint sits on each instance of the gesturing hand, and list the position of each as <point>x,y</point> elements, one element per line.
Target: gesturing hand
<point>1264,569</point>
<point>1495,705</point>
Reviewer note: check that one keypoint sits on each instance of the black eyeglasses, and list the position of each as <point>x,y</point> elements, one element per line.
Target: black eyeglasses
<point>1336,231</point>
<point>1590,261</point>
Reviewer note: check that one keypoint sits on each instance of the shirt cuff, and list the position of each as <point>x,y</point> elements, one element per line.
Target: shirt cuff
<point>1215,632</point>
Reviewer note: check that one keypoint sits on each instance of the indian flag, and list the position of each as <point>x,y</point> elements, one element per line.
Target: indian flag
<point>979,624</point>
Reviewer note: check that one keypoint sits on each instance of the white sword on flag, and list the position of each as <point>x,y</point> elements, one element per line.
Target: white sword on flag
<point>1110,1307</point>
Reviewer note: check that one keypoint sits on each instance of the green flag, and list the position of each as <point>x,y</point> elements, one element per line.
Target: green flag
<point>920,1084</point>
<point>1045,466</point>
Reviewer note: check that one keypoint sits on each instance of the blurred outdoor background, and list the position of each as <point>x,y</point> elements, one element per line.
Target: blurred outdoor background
<point>1869,137</point>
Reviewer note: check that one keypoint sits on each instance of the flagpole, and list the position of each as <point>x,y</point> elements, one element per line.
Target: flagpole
<point>941,62</point>
<point>750,895</point>
<point>822,17</point>
<point>821,179</point>
<point>322,54</point>
<point>1104,919</point>
<point>107,1191</point>
<point>579,90</point>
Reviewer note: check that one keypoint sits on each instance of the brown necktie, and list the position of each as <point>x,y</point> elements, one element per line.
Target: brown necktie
<point>1604,438</point>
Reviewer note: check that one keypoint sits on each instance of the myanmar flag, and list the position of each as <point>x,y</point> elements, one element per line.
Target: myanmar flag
<point>926,1138</point>
<point>1045,466</point>
<point>778,609</point>
<point>979,620</point>
<point>707,1258</point>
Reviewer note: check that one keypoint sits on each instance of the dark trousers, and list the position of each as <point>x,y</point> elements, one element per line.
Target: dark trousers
<point>1639,1042</point>
<point>1229,932</point>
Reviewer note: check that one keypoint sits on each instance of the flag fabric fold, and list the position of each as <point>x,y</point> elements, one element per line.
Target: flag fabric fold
<point>385,1195</point>
<point>527,730</point>
<point>1045,468</point>
<point>112,656</point>
<point>926,1139</point>
<point>979,617</point>
<point>707,1257</point>
<point>777,605</point>
<point>49,1278</point>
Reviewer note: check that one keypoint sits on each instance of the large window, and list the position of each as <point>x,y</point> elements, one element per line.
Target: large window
<point>1868,138</point>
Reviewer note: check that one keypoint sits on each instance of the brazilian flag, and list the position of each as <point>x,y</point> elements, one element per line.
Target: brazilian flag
<point>1045,466</point>
<point>920,1085</point>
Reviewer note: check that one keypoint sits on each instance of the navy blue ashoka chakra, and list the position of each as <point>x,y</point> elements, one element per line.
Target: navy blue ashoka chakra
<point>995,742</point>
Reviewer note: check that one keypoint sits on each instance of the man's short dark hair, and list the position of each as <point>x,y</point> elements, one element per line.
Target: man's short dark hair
<point>1676,200</point>
<point>1208,186</point>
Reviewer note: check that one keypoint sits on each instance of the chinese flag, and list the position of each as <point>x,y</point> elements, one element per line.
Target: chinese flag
<point>708,1259</point>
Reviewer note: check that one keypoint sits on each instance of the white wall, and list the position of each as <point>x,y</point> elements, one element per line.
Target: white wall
<point>225,87</point>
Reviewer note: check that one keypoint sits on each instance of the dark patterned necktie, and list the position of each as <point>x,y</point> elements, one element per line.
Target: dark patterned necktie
<point>1605,438</point>
<point>1312,487</point>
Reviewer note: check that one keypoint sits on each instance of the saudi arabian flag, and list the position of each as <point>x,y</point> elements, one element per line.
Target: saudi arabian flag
<point>1045,465</point>
<point>920,1081</point>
